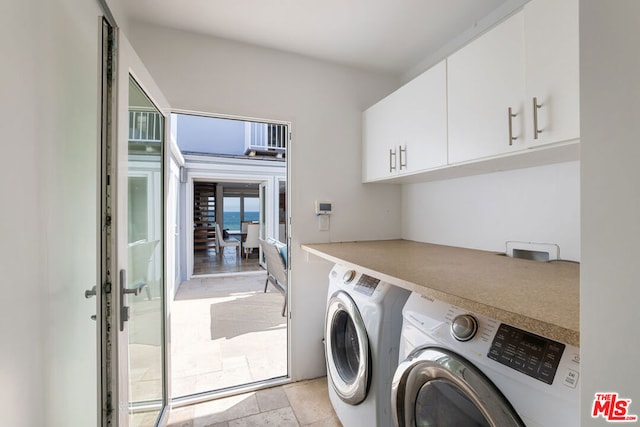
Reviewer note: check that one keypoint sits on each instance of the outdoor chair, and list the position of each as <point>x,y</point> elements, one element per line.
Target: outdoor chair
<point>276,270</point>
<point>140,256</point>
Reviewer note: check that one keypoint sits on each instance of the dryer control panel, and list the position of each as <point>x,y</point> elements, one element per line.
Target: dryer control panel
<point>366,285</point>
<point>525,352</point>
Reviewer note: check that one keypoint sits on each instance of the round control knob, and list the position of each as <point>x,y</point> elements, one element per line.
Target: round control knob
<point>464,327</point>
<point>348,276</point>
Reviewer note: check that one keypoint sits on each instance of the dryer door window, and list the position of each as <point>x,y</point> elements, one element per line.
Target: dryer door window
<point>344,343</point>
<point>437,387</point>
<point>347,349</point>
<point>442,403</point>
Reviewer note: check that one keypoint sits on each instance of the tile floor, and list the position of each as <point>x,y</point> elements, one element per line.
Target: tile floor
<point>207,262</point>
<point>226,331</point>
<point>304,403</point>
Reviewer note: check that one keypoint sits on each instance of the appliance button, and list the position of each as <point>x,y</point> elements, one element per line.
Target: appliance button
<point>464,327</point>
<point>571,379</point>
<point>348,276</point>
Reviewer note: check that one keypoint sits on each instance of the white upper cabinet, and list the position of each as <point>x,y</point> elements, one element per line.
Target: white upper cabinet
<point>509,99</point>
<point>485,80</point>
<point>380,133</point>
<point>528,63</point>
<point>552,70</point>
<point>407,131</point>
<point>423,142</point>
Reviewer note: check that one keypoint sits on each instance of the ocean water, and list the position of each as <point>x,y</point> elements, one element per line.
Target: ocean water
<point>231,219</point>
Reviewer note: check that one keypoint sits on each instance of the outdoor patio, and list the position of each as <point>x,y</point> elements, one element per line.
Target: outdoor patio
<point>226,331</point>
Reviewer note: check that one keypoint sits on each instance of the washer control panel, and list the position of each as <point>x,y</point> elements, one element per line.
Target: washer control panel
<point>495,345</point>
<point>366,285</point>
<point>525,352</point>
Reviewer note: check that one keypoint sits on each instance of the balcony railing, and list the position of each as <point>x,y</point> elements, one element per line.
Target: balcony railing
<point>265,138</point>
<point>145,126</point>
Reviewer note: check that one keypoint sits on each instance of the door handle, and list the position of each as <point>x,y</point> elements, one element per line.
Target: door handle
<point>90,292</point>
<point>136,290</point>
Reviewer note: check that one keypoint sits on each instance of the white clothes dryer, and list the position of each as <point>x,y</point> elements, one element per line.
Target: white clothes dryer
<point>460,368</point>
<point>362,333</point>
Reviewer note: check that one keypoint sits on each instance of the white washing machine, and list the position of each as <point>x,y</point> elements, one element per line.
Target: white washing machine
<point>459,368</point>
<point>362,333</point>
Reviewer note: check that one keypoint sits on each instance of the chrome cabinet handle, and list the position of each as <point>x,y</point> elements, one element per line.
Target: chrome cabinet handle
<point>536,106</point>
<point>392,160</point>
<point>510,118</point>
<point>403,150</point>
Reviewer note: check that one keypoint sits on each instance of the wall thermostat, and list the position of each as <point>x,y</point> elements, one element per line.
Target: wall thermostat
<point>323,208</point>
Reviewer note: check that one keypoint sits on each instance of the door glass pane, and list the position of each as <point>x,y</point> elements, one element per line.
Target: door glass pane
<point>231,214</point>
<point>346,349</point>
<point>251,211</point>
<point>145,258</point>
<point>441,403</point>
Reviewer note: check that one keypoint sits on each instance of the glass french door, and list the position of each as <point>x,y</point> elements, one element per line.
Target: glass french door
<point>142,282</point>
<point>134,356</point>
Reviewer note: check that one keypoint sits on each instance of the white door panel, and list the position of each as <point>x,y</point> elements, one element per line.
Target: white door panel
<point>138,273</point>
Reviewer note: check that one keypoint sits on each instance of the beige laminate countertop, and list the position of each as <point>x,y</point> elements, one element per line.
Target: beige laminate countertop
<point>541,297</point>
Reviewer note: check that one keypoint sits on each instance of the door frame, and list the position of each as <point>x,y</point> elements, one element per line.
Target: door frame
<point>104,298</point>
<point>254,177</point>
<point>218,177</point>
<point>114,381</point>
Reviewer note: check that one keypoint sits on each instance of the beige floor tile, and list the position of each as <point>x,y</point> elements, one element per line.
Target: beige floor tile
<point>305,403</point>
<point>228,408</point>
<point>181,417</point>
<point>309,400</point>
<point>184,386</point>
<point>283,417</point>
<point>272,398</point>
<point>237,348</point>
<point>143,419</point>
<point>332,421</point>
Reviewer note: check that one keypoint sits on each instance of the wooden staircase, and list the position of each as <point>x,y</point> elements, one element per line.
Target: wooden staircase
<point>204,215</point>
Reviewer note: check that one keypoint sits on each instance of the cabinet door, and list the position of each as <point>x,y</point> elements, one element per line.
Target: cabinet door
<point>380,136</point>
<point>552,70</point>
<point>423,121</point>
<point>485,78</point>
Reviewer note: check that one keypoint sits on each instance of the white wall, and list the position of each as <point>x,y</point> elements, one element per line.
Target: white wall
<point>609,274</point>
<point>48,182</point>
<point>540,204</point>
<point>324,103</point>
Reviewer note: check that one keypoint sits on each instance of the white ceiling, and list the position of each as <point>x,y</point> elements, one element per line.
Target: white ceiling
<point>389,36</point>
